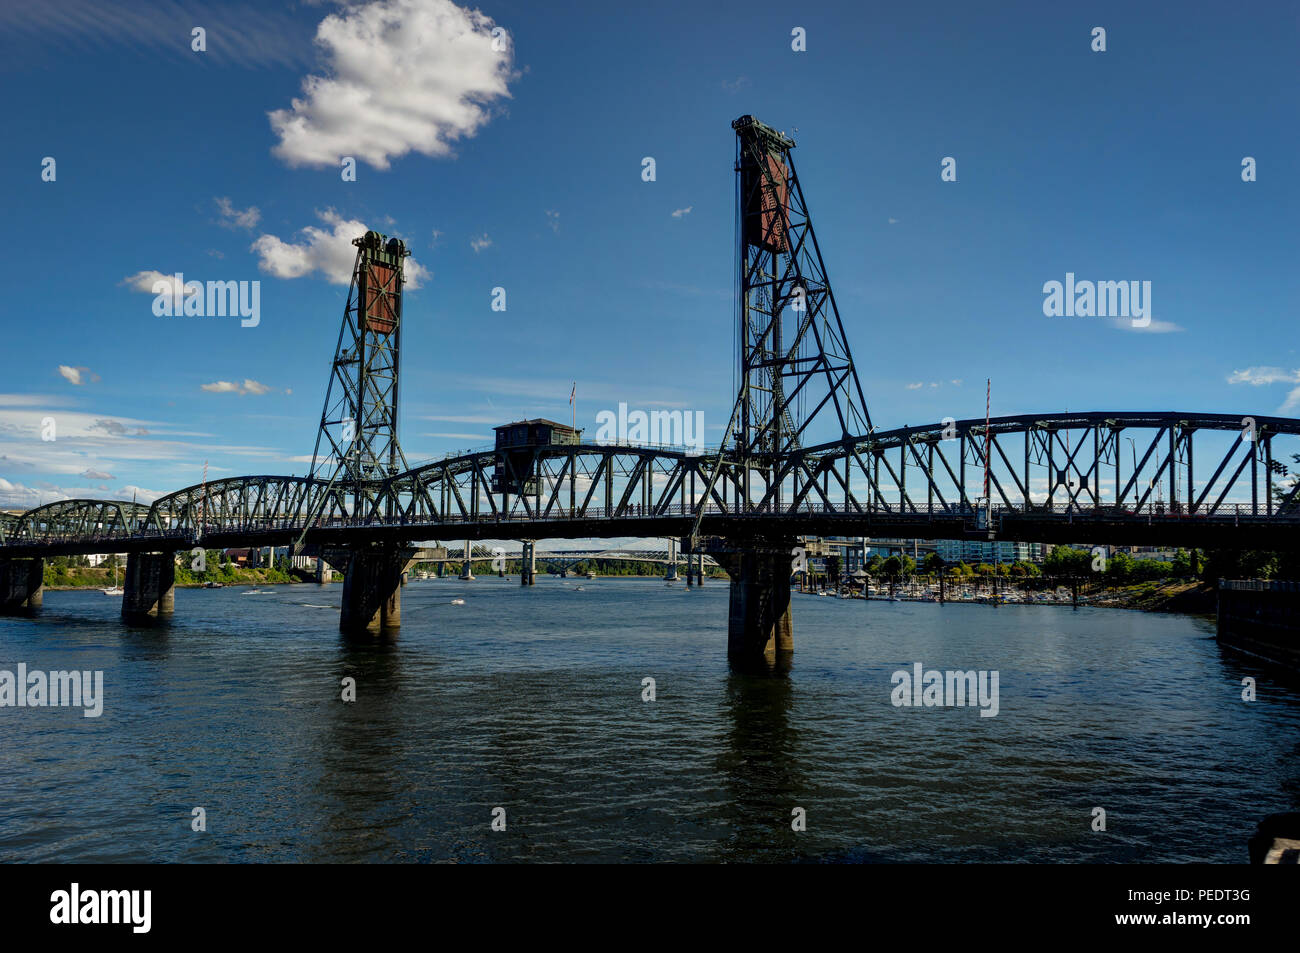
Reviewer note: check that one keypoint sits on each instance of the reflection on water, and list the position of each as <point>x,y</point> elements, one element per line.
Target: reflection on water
<point>530,699</point>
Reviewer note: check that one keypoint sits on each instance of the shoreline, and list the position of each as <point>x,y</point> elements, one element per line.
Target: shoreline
<point>1186,598</point>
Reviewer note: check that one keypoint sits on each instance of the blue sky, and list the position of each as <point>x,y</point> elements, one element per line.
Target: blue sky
<point>1122,165</point>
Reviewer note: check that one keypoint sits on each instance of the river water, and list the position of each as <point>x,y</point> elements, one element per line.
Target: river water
<point>531,700</point>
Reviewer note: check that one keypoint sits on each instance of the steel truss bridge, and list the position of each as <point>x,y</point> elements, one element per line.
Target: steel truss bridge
<point>800,456</point>
<point>1068,478</point>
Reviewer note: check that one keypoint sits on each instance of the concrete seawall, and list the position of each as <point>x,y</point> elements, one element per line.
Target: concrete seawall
<point>1262,619</point>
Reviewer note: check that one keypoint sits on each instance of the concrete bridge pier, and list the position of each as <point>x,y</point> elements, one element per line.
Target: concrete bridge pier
<point>22,585</point>
<point>149,590</point>
<point>760,634</point>
<point>466,572</point>
<point>372,591</point>
<point>528,568</point>
<point>699,569</point>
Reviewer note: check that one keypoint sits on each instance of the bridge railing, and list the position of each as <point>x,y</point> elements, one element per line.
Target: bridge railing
<point>1152,512</point>
<point>973,518</point>
<point>676,511</point>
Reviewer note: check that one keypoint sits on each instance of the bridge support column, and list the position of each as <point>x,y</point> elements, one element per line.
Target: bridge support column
<point>760,634</point>
<point>22,585</point>
<point>528,567</point>
<point>372,591</point>
<point>466,572</point>
<point>699,569</point>
<point>149,590</point>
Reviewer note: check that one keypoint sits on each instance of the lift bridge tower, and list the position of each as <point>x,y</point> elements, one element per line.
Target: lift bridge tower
<point>357,443</point>
<point>797,386</point>
<point>794,361</point>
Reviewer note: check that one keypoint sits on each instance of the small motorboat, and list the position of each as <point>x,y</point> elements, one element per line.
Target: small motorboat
<point>458,602</point>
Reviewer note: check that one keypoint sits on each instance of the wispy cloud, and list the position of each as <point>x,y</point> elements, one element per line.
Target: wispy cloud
<point>1258,376</point>
<point>1155,327</point>
<point>467,419</point>
<point>1262,375</point>
<point>232,217</point>
<point>247,386</point>
<point>249,35</point>
<point>679,213</point>
<point>480,243</point>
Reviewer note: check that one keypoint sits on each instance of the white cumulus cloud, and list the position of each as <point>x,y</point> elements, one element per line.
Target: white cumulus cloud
<point>155,283</point>
<point>76,376</point>
<point>398,76</point>
<point>326,250</point>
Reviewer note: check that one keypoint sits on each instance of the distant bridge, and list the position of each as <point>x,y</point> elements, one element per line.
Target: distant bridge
<point>563,560</point>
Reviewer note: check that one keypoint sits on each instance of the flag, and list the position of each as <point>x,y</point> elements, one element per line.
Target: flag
<point>573,393</point>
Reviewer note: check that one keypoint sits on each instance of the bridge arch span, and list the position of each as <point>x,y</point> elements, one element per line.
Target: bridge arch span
<point>78,519</point>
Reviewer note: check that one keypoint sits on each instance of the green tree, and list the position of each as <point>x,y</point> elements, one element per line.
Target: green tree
<point>1182,563</point>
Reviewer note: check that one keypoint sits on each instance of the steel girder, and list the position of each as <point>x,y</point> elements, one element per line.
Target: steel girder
<point>569,481</point>
<point>1068,463</point>
<point>67,520</point>
<point>247,505</point>
<point>1178,466</point>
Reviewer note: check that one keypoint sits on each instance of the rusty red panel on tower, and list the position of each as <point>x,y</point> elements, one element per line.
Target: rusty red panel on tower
<point>380,299</point>
<point>767,194</point>
<point>776,197</point>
